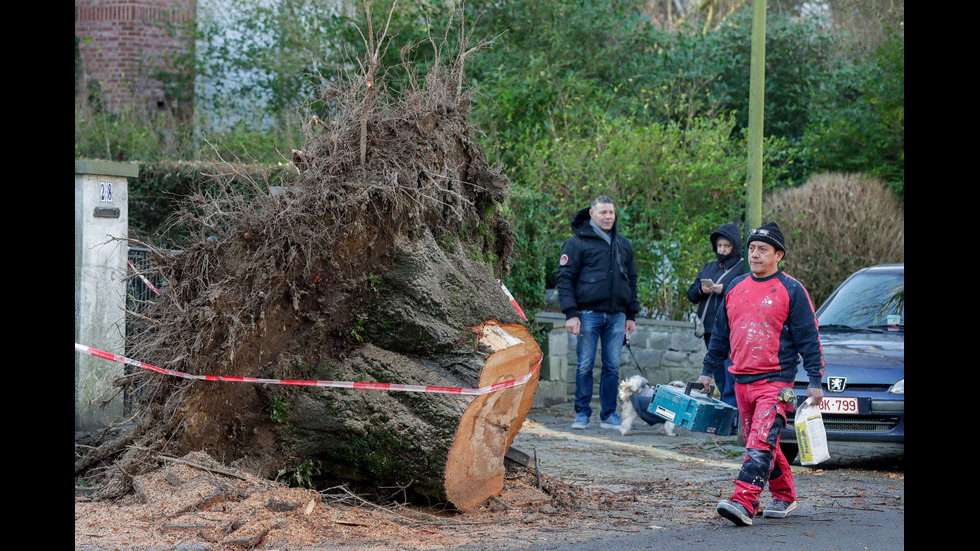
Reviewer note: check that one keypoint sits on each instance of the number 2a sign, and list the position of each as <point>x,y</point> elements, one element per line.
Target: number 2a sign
<point>105,191</point>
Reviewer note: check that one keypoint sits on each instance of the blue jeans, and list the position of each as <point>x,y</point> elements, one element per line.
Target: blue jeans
<point>609,329</point>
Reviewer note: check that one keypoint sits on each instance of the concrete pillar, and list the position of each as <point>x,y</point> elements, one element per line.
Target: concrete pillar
<point>101,230</point>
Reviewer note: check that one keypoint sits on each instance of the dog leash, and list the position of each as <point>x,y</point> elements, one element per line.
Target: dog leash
<point>626,343</point>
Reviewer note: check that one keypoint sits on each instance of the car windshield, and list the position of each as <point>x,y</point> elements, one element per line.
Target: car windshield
<point>868,300</point>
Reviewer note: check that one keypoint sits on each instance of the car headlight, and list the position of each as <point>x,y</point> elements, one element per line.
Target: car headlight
<point>897,388</point>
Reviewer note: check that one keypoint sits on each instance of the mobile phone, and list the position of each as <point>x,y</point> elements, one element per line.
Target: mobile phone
<point>707,282</point>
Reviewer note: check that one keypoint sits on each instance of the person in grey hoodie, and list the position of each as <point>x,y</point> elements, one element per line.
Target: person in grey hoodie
<point>726,242</point>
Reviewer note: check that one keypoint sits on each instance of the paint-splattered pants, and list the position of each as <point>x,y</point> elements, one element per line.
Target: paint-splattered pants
<point>762,416</point>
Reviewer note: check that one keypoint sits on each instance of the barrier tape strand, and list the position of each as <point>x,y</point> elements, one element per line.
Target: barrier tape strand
<point>503,385</point>
<point>141,276</point>
<point>513,301</point>
<point>325,384</point>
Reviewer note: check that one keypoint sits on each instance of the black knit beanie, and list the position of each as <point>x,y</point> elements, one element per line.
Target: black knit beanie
<point>768,233</point>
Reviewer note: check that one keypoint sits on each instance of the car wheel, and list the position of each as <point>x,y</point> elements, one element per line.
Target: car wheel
<point>789,450</point>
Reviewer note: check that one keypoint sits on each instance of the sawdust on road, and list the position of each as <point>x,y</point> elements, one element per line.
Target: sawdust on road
<point>588,483</point>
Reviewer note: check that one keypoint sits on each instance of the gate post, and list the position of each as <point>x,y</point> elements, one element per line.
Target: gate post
<point>101,249</point>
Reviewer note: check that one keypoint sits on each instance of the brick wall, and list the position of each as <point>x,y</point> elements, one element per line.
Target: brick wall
<point>123,42</point>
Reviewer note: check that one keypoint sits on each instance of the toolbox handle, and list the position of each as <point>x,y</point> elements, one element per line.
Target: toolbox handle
<point>698,386</point>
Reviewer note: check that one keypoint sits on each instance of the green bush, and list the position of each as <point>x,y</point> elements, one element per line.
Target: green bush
<point>130,133</point>
<point>836,224</point>
<point>155,195</point>
<point>673,185</point>
<point>858,117</point>
<point>144,133</point>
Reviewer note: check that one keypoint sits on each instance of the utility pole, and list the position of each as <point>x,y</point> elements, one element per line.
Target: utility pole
<point>757,87</point>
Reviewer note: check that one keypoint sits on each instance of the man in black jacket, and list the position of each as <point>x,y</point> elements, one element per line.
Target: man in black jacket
<point>597,292</point>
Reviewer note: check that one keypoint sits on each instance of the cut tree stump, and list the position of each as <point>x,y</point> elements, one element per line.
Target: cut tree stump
<point>475,466</point>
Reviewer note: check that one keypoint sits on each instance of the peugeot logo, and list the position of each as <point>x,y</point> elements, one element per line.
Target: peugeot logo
<point>836,384</point>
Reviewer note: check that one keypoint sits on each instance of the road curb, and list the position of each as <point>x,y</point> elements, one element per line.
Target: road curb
<point>538,429</point>
<point>541,430</point>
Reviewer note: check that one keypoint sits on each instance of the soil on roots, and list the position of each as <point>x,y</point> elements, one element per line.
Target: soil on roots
<point>387,243</point>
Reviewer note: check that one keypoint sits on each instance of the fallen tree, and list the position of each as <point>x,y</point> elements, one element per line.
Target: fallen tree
<point>379,264</point>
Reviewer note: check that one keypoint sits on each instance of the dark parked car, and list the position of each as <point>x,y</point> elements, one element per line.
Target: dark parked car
<point>862,331</point>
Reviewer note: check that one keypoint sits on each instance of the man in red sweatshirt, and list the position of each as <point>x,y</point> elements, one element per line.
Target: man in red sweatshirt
<point>766,322</point>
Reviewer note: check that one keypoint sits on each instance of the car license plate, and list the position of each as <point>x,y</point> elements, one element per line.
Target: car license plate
<point>839,406</point>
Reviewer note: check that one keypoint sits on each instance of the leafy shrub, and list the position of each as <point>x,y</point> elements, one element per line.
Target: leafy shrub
<point>834,225</point>
<point>134,132</point>
<point>673,185</point>
<point>155,195</point>
<point>857,122</point>
<point>139,132</point>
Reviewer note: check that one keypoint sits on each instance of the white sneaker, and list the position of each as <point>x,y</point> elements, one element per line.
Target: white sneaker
<point>779,509</point>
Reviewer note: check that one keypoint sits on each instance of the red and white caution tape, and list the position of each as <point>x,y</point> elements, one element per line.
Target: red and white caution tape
<point>513,301</point>
<point>328,384</point>
<point>146,281</point>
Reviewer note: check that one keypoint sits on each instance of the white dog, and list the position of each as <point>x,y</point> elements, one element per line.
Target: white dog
<point>636,388</point>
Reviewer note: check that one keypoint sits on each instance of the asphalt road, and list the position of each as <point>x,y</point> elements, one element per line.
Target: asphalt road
<point>851,502</point>
<point>877,523</point>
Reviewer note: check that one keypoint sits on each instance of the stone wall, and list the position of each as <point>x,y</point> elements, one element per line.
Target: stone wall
<point>661,351</point>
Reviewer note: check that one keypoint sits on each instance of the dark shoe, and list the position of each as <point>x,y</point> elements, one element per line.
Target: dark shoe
<point>779,509</point>
<point>734,512</point>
